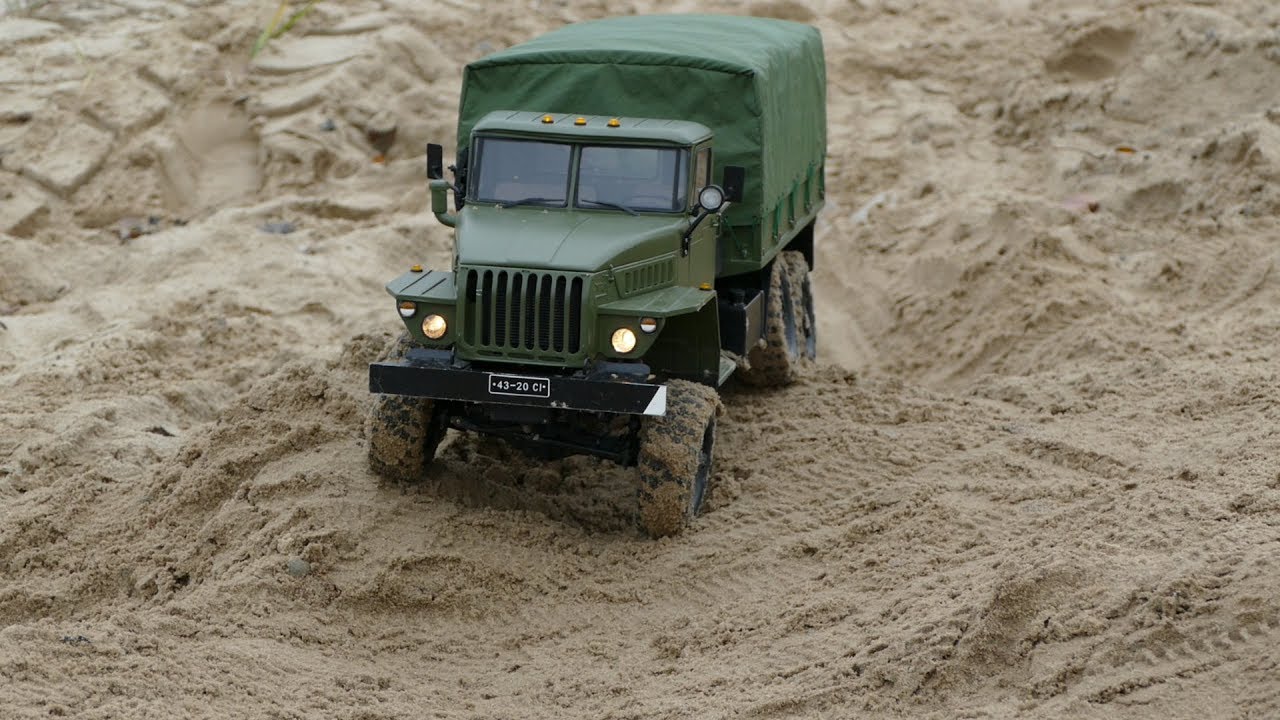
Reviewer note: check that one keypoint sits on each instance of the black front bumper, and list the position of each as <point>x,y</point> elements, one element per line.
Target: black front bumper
<point>434,374</point>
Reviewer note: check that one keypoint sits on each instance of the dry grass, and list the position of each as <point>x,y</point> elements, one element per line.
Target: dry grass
<point>280,24</point>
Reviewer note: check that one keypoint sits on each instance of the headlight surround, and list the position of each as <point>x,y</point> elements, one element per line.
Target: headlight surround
<point>434,326</point>
<point>623,340</point>
<point>711,198</point>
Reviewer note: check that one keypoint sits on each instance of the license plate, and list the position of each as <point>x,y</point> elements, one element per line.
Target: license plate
<point>519,385</point>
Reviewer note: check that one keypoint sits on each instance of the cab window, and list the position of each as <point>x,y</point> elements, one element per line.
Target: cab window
<point>635,179</point>
<point>527,172</point>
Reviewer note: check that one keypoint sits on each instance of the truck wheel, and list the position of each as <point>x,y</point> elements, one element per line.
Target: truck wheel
<point>403,432</point>
<point>774,363</point>
<point>676,456</point>
<point>806,321</point>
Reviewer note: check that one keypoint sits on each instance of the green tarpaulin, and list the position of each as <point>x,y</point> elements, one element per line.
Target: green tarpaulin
<point>759,84</point>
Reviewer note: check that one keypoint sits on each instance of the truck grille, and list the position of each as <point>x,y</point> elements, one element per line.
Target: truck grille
<point>523,314</point>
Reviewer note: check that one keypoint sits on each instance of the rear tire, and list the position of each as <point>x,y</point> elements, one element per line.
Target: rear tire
<point>789,327</point>
<point>677,454</point>
<point>404,432</point>
<point>806,319</point>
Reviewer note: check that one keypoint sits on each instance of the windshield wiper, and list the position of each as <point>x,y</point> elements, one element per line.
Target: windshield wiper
<point>616,206</point>
<point>529,201</point>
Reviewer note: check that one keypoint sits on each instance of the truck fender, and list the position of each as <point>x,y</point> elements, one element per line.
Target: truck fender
<point>688,346</point>
<point>664,303</point>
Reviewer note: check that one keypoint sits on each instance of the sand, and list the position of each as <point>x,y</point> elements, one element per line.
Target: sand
<point>1034,473</point>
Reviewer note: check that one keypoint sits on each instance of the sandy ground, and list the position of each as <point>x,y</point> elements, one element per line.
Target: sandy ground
<point>1035,474</point>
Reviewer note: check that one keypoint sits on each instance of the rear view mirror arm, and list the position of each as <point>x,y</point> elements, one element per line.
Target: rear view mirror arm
<point>687,239</point>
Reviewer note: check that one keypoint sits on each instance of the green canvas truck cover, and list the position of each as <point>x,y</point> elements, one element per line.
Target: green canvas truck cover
<point>759,84</point>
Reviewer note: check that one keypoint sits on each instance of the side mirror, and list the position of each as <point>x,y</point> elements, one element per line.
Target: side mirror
<point>735,177</point>
<point>435,161</point>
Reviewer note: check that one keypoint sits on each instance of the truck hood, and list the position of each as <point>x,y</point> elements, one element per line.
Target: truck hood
<point>590,241</point>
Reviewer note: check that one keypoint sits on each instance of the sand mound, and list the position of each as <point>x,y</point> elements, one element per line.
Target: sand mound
<point>1033,474</point>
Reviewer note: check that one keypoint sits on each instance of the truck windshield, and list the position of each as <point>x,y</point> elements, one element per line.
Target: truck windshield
<point>632,178</point>
<point>523,172</point>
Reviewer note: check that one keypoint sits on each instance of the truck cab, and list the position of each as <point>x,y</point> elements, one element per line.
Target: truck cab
<point>565,221</point>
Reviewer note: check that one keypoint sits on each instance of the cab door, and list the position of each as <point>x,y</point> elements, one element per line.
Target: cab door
<point>701,258</point>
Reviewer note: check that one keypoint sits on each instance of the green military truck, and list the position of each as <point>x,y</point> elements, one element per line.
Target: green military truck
<point>634,206</point>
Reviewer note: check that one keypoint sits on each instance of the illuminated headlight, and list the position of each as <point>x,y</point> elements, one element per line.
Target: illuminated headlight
<point>648,325</point>
<point>623,341</point>
<point>408,308</point>
<point>434,326</point>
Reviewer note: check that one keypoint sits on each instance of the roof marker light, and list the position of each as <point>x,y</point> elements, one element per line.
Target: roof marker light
<point>613,122</point>
<point>580,121</point>
<point>547,120</point>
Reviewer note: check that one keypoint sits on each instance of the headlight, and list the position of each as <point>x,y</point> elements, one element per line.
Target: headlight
<point>408,308</point>
<point>711,198</point>
<point>623,341</point>
<point>648,325</point>
<point>434,326</point>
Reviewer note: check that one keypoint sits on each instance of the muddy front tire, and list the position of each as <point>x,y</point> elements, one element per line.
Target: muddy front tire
<point>403,432</point>
<point>676,458</point>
